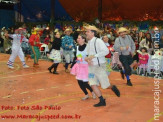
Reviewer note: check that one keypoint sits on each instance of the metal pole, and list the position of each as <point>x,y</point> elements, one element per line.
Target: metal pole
<point>52,14</point>
<point>100,10</point>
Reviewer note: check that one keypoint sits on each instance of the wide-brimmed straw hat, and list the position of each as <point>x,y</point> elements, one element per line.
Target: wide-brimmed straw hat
<point>122,29</point>
<point>78,30</point>
<point>68,29</point>
<point>92,27</point>
<point>37,29</point>
<point>20,29</point>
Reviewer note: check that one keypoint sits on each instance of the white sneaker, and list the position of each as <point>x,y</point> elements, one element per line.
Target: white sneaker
<point>11,67</point>
<point>25,66</point>
<point>86,97</point>
<point>93,95</point>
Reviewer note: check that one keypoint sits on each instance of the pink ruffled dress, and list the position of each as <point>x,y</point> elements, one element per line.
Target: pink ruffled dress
<point>80,69</point>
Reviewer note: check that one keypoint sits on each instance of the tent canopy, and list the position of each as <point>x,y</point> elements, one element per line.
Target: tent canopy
<point>87,10</point>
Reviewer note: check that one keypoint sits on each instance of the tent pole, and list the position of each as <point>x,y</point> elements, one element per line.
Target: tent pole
<point>100,10</point>
<point>52,15</point>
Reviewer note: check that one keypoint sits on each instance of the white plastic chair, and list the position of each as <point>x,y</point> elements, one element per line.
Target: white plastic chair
<point>44,51</point>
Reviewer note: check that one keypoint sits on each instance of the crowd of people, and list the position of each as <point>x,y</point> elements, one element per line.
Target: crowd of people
<point>91,52</point>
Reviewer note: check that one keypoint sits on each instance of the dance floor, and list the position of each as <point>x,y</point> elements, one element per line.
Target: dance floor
<point>33,94</point>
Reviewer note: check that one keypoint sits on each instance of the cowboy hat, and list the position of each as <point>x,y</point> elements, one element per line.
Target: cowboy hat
<point>78,30</point>
<point>92,27</point>
<point>20,29</point>
<point>122,29</point>
<point>68,29</point>
<point>56,30</point>
<point>37,29</point>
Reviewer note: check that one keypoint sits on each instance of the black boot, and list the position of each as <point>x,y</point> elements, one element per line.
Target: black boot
<point>122,74</point>
<point>50,68</point>
<point>129,83</point>
<point>55,69</point>
<point>101,103</point>
<point>115,90</point>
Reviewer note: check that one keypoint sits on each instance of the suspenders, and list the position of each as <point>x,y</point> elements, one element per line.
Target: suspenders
<point>96,52</point>
<point>120,41</point>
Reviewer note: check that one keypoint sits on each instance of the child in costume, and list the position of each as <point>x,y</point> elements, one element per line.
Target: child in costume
<point>80,69</point>
<point>143,60</point>
<point>18,37</point>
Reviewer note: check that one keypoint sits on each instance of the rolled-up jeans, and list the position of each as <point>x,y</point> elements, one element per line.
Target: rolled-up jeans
<point>126,61</point>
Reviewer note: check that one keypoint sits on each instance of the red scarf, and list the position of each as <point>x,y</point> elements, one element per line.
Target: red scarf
<point>21,38</point>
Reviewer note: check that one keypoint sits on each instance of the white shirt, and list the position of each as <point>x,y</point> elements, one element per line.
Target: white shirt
<point>17,39</point>
<point>101,49</point>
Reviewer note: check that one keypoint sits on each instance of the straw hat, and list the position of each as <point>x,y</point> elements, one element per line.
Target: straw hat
<point>92,27</point>
<point>37,29</point>
<point>3,28</point>
<point>122,29</point>
<point>78,30</point>
<point>56,30</point>
<point>68,29</point>
<point>21,29</point>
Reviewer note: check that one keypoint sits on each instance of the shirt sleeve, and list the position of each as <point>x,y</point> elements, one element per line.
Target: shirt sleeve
<point>141,44</point>
<point>25,39</point>
<point>132,45</point>
<point>12,35</point>
<point>117,45</point>
<point>103,49</point>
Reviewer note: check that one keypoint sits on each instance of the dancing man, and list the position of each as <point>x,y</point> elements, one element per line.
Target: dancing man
<point>18,37</point>
<point>125,46</point>
<point>96,51</point>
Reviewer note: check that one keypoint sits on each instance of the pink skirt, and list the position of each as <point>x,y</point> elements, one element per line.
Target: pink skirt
<point>144,66</point>
<point>81,71</point>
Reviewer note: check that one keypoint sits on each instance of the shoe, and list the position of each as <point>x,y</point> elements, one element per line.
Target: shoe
<point>27,57</point>
<point>93,95</point>
<point>25,66</point>
<point>101,103</point>
<point>67,71</point>
<point>122,74</point>
<point>35,65</point>
<point>50,69</point>
<point>129,83</point>
<point>86,97</point>
<point>55,73</point>
<point>115,90</point>
<point>11,67</point>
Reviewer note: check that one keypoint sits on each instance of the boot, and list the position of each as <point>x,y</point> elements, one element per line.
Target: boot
<point>115,90</point>
<point>122,74</point>
<point>101,103</point>
<point>129,83</point>
<point>51,67</point>
<point>55,69</point>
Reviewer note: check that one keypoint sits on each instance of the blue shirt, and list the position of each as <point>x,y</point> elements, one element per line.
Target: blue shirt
<point>66,42</point>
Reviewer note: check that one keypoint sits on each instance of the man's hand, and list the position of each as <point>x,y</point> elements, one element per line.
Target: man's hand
<point>121,48</point>
<point>91,57</point>
<point>87,59</point>
<point>127,47</point>
<point>132,54</point>
<point>70,46</point>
